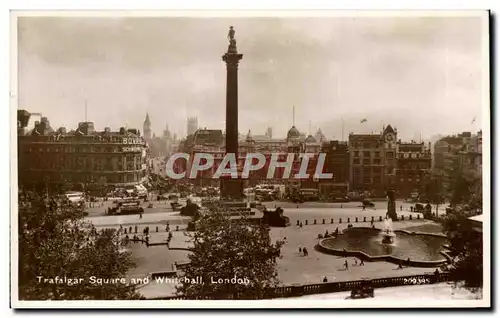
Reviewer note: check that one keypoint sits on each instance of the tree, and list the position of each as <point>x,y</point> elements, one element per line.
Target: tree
<point>466,245</point>
<point>236,254</point>
<point>466,189</point>
<point>466,242</point>
<point>54,241</point>
<point>434,189</point>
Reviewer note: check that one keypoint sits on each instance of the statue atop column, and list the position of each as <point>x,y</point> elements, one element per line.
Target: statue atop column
<point>232,41</point>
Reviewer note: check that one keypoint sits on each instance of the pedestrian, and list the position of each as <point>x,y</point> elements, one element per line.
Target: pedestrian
<point>400,265</point>
<point>325,280</point>
<point>300,250</point>
<point>301,224</point>
<point>401,207</point>
<point>362,263</point>
<point>346,265</point>
<point>355,262</point>
<point>305,251</point>
<point>140,215</point>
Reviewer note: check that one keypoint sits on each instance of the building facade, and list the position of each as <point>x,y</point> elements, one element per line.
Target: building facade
<point>462,151</point>
<point>213,142</point>
<point>337,163</point>
<point>192,125</point>
<point>372,161</point>
<point>414,161</point>
<point>81,157</point>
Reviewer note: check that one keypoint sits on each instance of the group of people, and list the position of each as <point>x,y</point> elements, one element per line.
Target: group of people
<point>303,251</point>
<point>361,263</point>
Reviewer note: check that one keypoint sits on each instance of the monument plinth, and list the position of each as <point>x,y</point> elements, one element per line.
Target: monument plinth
<point>232,188</point>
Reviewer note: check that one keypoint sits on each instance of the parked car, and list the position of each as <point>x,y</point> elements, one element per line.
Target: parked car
<point>368,204</point>
<point>340,199</point>
<point>418,208</point>
<point>364,291</point>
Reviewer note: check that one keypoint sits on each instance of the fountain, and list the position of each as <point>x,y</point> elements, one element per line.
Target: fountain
<point>387,233</point>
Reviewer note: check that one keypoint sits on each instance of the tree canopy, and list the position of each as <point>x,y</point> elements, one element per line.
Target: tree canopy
<point>54,241</point>
<point>226,249</point>
<point>466,242</point>
<point>466,245</point>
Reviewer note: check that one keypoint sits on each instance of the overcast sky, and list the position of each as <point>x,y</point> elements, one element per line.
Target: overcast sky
<point>421,75</point>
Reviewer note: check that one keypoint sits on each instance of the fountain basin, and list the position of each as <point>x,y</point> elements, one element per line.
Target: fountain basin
<point>423,249</point>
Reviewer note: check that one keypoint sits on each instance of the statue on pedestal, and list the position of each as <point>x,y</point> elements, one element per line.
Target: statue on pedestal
<point>391,205</point>
<point>232,40</point>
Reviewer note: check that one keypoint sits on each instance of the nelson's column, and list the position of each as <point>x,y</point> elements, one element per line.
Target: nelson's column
<point>232,188</point>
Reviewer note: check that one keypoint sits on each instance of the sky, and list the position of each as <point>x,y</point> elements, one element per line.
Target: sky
<point>422,75</point>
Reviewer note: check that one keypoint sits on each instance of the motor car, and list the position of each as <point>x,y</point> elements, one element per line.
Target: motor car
<point>368,204</point>
<point>364,291</point>
<point>340,199</point>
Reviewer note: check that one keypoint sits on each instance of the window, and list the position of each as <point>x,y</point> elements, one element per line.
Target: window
<point>366,170</point>
<point>366,154</point>
<point>366,145</point>
<point>390,155</point>
<point>377,154</point>
<point>356,161</point>
<point>376,169</point>
<point>376,161</point>
<point>366,161</point>
<point>366,180</point>
<point>356,154</point>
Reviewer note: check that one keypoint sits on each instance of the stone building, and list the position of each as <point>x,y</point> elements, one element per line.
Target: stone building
<point>337,163</point>
<point>79,158</point>
<point>373,161</point>
<point>414,161</point>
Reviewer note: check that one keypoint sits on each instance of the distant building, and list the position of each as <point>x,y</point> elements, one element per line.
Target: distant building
<point>80,158</point>
<point>192,125</point>
<point>373,161</point>
<point>159,146</point>
<point>269,132</point>
<point>146,128</point>
<point>337,163</point>
<point>414,161</point>
<point>462,151</point>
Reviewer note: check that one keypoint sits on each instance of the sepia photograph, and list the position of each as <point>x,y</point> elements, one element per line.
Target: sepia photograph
<point>281,159</point>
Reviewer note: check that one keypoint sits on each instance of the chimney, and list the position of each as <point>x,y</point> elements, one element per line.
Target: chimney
<point>122,130</point>
<point>107,129</point>
<point>62,130</point>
